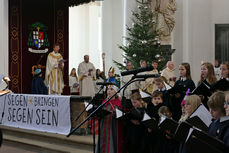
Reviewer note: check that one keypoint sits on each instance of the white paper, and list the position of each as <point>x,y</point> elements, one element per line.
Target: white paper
<point>189,133</point>
<point>119,113</point>
<point>146,117</point>
<point>167,87</point>
<point>89,107</point>
<point>144,95</point>
<point>162,118</point>
<point>203,114</point>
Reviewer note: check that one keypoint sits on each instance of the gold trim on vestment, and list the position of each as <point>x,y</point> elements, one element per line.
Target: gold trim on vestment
<point>56,57</point>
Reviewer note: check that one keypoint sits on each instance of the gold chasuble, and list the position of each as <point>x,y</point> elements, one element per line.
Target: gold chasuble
<point>150,86</point>
<point>54,73</point>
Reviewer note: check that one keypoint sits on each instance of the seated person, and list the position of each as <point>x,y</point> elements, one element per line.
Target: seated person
<point>38,85</point>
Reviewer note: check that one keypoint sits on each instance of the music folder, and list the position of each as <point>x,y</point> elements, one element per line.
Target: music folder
<point>149,122</point>
<point>222,85</point>
<point>201,142</point>
<point>101,113</point>
<point>122,115</point>
<point>197,122</point>
<point>146,97</point>
<point>204,89</point>
<point>177,89</point>
<point>204,118</point>
<point>182,131</point>
<point>168,124</point>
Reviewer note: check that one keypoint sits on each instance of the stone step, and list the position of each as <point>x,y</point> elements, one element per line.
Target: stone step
<point>47,142</point>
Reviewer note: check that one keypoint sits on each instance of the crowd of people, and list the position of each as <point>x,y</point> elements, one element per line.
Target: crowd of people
<point>174,97</point>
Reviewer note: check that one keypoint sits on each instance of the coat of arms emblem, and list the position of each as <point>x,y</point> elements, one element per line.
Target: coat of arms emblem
<point>38,38</point>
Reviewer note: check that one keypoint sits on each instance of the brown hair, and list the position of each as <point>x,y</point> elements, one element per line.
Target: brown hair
<point>164,110</point>
<point>137,96</point>
<point>73,75</point>
<point>188,71</point>
<point>156,94</point>
<point>216,101</point>
<point>160,79</point>
<point>56,44</point>
<point>211,73</point>
<point>227,65</point>
<point>141,61</point>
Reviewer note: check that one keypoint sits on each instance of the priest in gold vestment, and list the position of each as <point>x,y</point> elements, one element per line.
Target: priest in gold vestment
<point>54,71</point>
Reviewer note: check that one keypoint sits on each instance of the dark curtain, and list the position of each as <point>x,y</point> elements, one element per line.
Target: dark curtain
<point>22,14</point>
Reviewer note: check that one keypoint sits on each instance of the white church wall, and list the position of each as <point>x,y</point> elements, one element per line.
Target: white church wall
<point>84,34</point>
<point>4,39</point>
<point>112,31</point>
<point>195,34</point>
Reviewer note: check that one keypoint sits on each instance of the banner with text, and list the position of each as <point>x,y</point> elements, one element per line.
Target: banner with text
<point>46,113</point>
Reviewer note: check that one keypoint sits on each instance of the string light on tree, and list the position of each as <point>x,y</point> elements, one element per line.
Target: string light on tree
<point>143,38</point>
<point>158,56</point>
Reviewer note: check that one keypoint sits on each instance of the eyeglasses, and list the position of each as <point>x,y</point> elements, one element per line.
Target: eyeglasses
<point>226,103</point>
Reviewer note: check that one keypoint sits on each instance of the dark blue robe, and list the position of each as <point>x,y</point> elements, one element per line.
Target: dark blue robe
<point>176,101</point>
<point>220,129</point>
<point>38,86</point>
<point>113,80</point>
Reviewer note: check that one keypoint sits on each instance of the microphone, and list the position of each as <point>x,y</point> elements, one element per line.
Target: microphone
<point>147,76</point>
<point>149,68</point>
<point>105,83</point>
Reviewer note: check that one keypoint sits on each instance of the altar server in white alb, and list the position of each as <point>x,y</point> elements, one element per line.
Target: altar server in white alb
<point>86,73</point>
<point>54,71</point>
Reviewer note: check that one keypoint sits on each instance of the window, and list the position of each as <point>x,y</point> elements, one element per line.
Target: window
<point>222,42</point>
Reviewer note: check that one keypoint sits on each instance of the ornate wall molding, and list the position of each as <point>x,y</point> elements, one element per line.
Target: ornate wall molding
<point>15,55</point>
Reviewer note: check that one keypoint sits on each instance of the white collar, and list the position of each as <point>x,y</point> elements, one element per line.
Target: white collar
<point>224,118</point>
<point>169,69</point>
<point>183,78</point>
<point>225,78</point>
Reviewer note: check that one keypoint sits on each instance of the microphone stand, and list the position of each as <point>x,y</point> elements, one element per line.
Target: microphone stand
<point>96,110</point>
<point>124,104</point>
<point>99,107</point>
<point>91,101</point>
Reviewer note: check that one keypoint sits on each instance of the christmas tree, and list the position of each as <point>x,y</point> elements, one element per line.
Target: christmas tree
<point>143,41</point>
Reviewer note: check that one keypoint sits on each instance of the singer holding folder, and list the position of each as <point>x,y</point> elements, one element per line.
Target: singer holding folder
<point>110,135</point>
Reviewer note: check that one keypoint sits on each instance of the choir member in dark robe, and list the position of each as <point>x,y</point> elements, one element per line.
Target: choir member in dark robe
<point>38,85</point>
<point>184,83</point>
<point>219,127</point>
<point>157,140</point>
<point>136,131</point>
<point>191,103</point>
<point>162,87</point>
<point>223,83</point>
